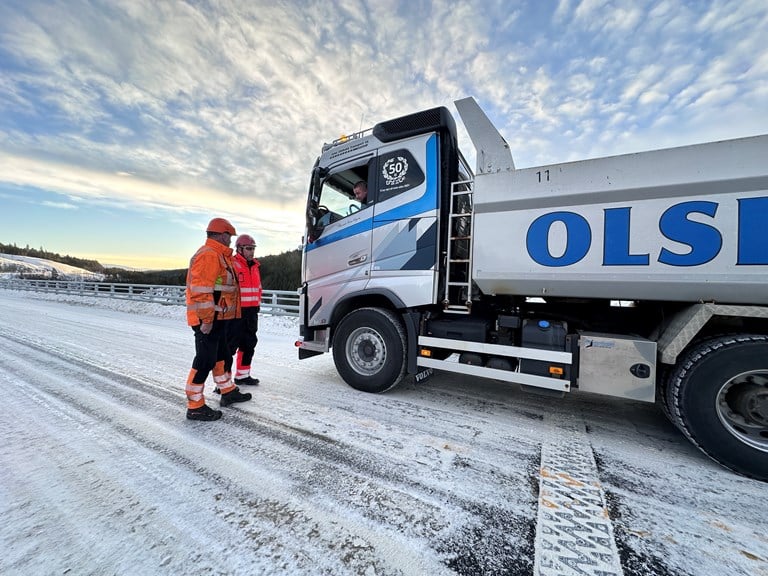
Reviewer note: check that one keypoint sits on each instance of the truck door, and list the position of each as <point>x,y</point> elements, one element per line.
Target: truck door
<point>405,234</point>
<point>337,259</point>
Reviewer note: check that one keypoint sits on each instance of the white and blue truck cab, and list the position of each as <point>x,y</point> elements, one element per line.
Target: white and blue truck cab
<point>643,276</point>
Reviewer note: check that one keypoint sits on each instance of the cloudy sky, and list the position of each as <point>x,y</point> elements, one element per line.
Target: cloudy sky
<point>125,125</point>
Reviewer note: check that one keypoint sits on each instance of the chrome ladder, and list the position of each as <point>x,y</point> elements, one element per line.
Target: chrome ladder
<point>458,271</point>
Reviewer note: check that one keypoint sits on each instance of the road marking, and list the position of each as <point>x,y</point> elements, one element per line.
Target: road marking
<point>574,534</point>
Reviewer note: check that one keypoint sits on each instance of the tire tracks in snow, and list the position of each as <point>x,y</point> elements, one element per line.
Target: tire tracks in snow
<point>386,514</point>
<point>229,494</point>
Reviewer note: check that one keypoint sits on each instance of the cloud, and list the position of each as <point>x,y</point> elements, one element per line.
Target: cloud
<point>224,106</point>
<point>60,205</point>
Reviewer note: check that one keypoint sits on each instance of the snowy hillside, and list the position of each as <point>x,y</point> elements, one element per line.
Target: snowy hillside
<point>12,266</point>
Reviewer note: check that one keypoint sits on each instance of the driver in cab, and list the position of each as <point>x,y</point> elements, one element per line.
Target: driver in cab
<point>360,190</point>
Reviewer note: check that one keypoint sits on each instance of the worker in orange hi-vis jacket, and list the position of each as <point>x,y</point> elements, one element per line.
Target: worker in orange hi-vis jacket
<point>213,301</point>
<point>244,338</point>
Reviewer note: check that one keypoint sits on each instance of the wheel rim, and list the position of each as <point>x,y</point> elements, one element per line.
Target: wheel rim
<point>742,406</point>
<point>366,351</point>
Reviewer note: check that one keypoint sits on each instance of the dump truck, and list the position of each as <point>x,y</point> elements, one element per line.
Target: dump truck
<point>642,276</point>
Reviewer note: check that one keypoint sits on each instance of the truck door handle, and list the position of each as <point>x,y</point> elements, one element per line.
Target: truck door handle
<point>357,259</point>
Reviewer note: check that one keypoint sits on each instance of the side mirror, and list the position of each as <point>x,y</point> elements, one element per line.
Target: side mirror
<point>313,201</point>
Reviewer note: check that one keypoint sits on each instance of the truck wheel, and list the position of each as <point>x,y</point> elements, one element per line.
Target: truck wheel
<point>718,397</point>
<point>369,349</point>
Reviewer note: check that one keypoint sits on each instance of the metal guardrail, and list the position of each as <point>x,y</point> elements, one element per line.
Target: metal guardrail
<point>274,302</point>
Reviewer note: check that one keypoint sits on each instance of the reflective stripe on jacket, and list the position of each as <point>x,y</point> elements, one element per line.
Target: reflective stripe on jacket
<point>212,291</point>
<point>249,279</point>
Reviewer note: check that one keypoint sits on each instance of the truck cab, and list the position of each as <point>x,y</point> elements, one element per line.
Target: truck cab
<point>388,248</point>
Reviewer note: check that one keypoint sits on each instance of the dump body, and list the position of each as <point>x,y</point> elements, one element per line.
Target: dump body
<point>683,224</point>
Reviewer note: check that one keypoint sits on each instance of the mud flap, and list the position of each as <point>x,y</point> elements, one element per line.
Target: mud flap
<point>422,375</point>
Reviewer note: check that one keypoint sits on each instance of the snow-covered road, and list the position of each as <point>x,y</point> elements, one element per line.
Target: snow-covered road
<point>100,473</point>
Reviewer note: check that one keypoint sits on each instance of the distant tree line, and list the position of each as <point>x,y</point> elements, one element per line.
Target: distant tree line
<point>177,277</point>
<point>278,272</point>
<point>281,272</point>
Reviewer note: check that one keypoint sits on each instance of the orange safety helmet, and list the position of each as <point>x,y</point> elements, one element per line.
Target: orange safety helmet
<point>220,226</point>
<point>245,240</point>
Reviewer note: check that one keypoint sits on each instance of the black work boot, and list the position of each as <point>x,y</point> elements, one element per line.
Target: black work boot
<point>204,413</point>
<point>247,381</point>
<point>234,396</point>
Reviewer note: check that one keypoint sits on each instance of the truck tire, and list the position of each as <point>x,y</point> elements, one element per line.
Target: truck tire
<point>369,349</point>
<point>718,397</point>
<point>662,392</point>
